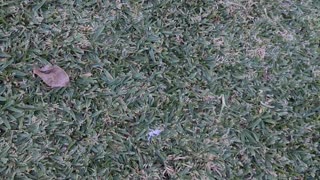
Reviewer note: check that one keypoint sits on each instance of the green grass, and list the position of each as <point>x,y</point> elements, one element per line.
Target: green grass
<point>234,84</point>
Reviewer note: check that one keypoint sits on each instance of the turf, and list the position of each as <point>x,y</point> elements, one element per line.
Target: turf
<point>234,85</point>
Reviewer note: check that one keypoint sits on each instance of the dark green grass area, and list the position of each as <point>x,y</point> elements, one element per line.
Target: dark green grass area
<point>234,85</point>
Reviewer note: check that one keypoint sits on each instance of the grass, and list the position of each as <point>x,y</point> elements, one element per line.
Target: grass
<point>233,84</point>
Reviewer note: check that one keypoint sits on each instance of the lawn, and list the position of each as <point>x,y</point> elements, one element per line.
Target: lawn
<point>228,89</point>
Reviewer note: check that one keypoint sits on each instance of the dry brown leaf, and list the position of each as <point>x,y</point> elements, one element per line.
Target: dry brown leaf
<point>53,76</point>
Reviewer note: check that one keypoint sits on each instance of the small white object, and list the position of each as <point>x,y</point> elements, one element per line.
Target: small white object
<point>153,133</point>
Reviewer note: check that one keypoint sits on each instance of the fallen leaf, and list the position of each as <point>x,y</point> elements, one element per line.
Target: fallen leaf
<point>87,75</point>
<point>53,76</point>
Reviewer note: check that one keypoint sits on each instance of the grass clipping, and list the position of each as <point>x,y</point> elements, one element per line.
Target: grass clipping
<point>53,76</point>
